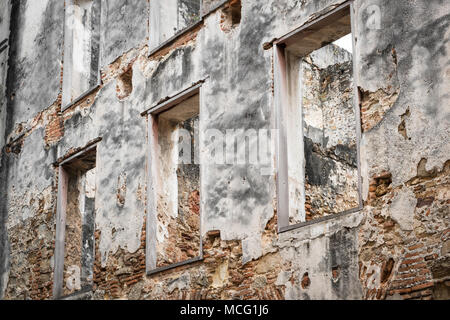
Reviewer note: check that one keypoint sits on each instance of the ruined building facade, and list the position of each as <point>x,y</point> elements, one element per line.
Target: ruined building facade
<point>238,149</point>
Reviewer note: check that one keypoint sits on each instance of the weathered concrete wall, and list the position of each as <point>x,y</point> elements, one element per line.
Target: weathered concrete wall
<point>30,224</point>
<point>5,11</point>
<point>35,61</point>
<point>401,231</point>
<point>406,221</point>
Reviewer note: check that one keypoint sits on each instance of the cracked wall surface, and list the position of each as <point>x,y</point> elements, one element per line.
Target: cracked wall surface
<point>396,247</point>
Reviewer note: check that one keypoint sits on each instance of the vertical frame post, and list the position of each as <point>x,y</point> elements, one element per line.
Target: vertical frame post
<point>60,232</point>
<point>280,99</point>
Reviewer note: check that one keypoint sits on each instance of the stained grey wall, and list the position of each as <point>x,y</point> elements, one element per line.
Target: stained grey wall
<point>120,153</point>
<point>409,55</point>
<point>237,94</point>
<point>35,58</point>
<point>124,25</point>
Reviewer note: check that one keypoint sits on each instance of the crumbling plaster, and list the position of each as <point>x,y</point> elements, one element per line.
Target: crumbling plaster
<point>5,10</point>
<point>420,73</point>
<point>237,94</point>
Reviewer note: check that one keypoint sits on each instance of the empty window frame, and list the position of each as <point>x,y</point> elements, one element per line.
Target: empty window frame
<point>318,120</point>
<point>4,33</point>
<point>4,25</point>
<point>174,217</point>
<point>170,17</point>
<point>81,49</point>
<point>74,247</point>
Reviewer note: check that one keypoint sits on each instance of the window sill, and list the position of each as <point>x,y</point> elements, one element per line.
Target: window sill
<point>79,295</point>
<point>81,97</point>
<point>315,221</point>
<point>175,265</point>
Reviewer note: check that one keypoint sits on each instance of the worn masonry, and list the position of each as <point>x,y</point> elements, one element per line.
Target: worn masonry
<point>132,153</point>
